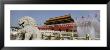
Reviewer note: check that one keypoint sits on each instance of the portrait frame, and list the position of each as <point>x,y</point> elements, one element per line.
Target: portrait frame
<point>44,2</point>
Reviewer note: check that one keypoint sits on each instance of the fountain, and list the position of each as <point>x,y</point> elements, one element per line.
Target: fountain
<point>88,25</point>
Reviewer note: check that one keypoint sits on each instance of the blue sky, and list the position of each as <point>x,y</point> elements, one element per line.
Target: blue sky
<point>42,15</point>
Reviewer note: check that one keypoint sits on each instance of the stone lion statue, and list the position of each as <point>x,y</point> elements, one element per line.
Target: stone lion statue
<point>29,30</point>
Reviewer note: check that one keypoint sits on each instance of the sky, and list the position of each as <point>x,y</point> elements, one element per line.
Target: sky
<point>42,15</point>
